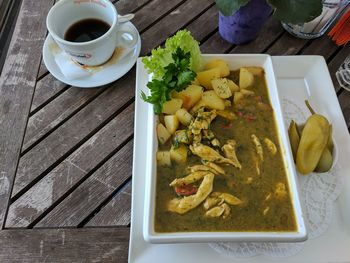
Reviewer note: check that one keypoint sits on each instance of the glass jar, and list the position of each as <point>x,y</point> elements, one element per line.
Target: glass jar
<point>317,27</point>
<point>343,74</point>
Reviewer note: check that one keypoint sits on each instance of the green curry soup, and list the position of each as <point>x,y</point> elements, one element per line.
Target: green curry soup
<point>260,185</point>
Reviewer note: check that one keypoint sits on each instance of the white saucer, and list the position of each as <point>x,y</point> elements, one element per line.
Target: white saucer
<point>102,75</point>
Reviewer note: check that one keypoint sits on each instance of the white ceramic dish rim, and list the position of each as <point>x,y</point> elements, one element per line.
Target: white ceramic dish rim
<point>235,61</point>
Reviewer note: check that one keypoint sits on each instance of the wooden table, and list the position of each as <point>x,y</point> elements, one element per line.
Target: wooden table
<point>66,153</point>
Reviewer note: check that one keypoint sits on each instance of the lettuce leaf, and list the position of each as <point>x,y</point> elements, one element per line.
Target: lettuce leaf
<point>162,57</point>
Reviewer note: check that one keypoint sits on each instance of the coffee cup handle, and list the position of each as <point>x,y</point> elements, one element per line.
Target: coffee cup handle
<point>127,36</point>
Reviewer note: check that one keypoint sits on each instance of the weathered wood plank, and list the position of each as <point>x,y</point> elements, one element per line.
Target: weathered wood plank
<point>269,33</point>
<point>216,45</point>
<point>117,212</point>
<point>92,192</point>
<point>344,101</point>
<point>45,89</point>
<point>336,62</point>
<point>168,25</point>
<point>72,132</point>
<point>157,8</point>
<point>287,45</point>
<point>204,24</point>
<point>5,7</point>
<point>127,6</point>
<point>56,112</point>
<point>64,245</point>
<point>72,170</point>
<point>17,83</point>
<point>323,46</point>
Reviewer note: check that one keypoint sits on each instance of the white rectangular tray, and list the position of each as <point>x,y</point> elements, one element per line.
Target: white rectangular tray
<point>299,77</point>
<point>234,62</point>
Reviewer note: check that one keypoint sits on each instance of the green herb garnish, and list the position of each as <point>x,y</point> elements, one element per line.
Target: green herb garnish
<point>177,76</point>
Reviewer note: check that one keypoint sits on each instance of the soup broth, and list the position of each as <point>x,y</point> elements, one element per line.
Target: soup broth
<point>260,185</point>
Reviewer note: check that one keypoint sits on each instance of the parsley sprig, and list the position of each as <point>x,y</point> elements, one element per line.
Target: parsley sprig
<point>177,76</point>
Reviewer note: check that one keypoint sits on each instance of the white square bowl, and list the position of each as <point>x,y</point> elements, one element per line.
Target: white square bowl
<point>234,61</point>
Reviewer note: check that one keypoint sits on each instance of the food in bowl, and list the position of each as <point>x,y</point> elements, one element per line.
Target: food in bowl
<point>198,161</point>
<point>219,160</point>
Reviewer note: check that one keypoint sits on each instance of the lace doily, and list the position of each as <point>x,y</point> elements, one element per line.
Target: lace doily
<point>318,193</point>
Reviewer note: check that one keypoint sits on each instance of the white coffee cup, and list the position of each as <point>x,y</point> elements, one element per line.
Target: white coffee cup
<point>65,13</point>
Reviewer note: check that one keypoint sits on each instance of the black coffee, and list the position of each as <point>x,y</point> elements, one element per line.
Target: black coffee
<point>86,30</point>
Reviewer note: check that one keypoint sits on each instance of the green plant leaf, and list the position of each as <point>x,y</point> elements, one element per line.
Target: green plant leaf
<point>228,7</point>
<point>296,11</point>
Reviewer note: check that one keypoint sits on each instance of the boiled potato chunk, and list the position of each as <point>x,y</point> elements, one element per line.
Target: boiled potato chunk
<point>184,116</point>
<point>246,78</point>
<point>205,77</point>
<point>221,88</point>
<point>179,154</point>
<point>171,106</point>
<point>190,96</point>
<point>257,71</point>
<point>233,86</point>
<point>226,114</point>
<point>171,123</point>
<point>198,105</point>
<point>162,133</point>
<point>246,92</point>
<point>163,158</point>
<point>237,97</point>
<point>213,101</point>
<point>221,64</point>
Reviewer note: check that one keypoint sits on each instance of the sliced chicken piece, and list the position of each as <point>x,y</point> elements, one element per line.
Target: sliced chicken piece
<point>256,163</point>
<point>202,121</point>
<point>216,211</point>
<point>258,147</point>
<point>227,210</point>
<point>208,134</point>
<point>197,138</point>
<point>229,150</point>
<point>185,204</point>
<point>212,201</point>
<point>216,167</point>
<point>209,154</point>
<point>228,198</point>
<point>270,146</point>
<point>189,179</point>
<point>200,167</point>
<point>215,142</point>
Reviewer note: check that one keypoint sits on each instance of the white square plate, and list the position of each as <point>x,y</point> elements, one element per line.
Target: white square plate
<point>299,77</point>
